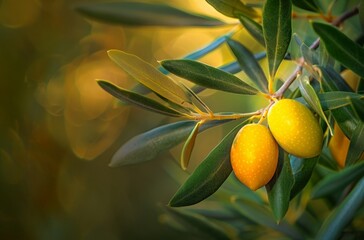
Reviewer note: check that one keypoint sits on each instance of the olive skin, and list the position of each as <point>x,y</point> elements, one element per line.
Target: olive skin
<point>295,128</point>
<point>254,156</point>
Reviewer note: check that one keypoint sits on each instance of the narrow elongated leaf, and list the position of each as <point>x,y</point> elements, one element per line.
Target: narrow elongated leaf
<point>139,100</point>
<point>248,63</point>
<point>333,80</point>
<point>340,47</point>
<point>232,8</point>
<point>198,99</point>
<point>308,5</point>
<point>311,56</point>
<point>337,181</point>
<point>341,216</point>
<point>339,103</point>
<point>207,76</point>
<point>361,16</point>
<point>356,146</point>
<point>199,224</point>
<point>345,116</point>
<point>311,98</point>
<point>358,104</point>
<point>277,31</point>
<point>150,77</point>
<point>209,48</point>
<point>209,175</point>
<point>148,145</point>
<point>261,215</point>
<point>188,147</point>
<point>234,67</point>
<point>335,99</point>
<point>347,119</point>
<point>144,14</point>
<point>279,188</point>
<point>302,170</point>
<point>254,28</point>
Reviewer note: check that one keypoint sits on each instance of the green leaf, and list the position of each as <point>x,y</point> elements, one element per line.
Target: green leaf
<point>345,116</point>
<point>139,100</point>
<point>335,99</point>
<point>311,56</point>
<point>153,79</point>
<point>356,146</point>
<point>261,215</point>
<point>279,188</point>
<point>148,145</point>
<point>197,98</point>
<point>333,80</point>
<point>232,8</point>
<point>337,181</point>
<point>308,5</point>
<point>361,16</point>
<point>209,175</point>
<point>340,47</point>
<point>339,103</point>
<point>358,105</point>
<point>302,171</point>
<point>277,31</point>
<point>311,98</point>
<point>254,28</point>
<point>207,76</point>
<point>342,215</point>
<point>249,64</point>
<point>199,224</point>
<point>144,14</point>
<point>188,147</point>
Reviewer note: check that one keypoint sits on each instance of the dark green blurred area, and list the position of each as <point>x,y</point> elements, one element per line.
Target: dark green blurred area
<point>58,129</point>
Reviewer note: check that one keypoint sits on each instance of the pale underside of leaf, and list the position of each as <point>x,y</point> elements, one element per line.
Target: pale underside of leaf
<point>153,79</point>
<point>189,145</point>
<point>209,175</point>
<point>312,99</point>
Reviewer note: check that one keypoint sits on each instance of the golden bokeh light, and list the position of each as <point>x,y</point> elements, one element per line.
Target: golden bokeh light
<point>19,13</point>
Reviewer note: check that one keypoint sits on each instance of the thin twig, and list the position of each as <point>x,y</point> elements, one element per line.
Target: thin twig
<point>337,22</point>
<point>220,116</point>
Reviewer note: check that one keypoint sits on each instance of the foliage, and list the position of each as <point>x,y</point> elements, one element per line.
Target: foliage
<point>316,82</point>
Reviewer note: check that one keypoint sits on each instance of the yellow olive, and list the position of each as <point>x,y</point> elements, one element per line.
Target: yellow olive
<point>254,156</point>
<point>295,128</point>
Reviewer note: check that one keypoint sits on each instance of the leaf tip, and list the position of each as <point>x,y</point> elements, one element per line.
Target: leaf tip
<point>112,52</point>
<point>172,203</point>
<point>112,164</point>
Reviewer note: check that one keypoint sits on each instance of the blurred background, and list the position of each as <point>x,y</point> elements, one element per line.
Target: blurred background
<point>59,129</point>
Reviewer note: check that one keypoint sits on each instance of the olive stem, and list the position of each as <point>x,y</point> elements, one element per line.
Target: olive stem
<point>208,117</point>
<point>278,94</point>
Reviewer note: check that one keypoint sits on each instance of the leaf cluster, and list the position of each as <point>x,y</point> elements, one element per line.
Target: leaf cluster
<point>316,82</point>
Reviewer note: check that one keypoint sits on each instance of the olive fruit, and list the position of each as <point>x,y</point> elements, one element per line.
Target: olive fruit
<point>295,128</point>
<point>254,156</point>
